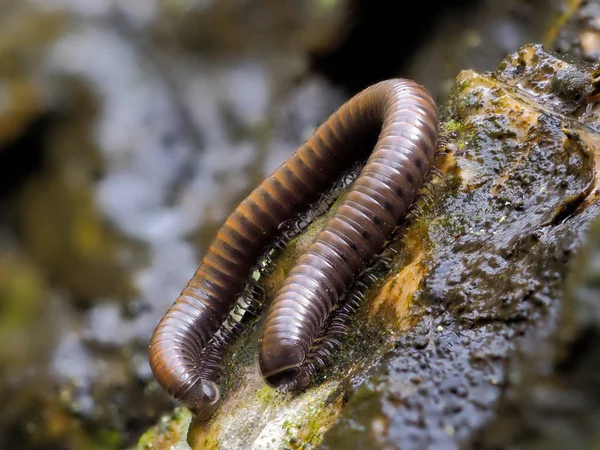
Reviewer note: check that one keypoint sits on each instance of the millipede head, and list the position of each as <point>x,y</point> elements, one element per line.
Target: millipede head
<point>281,365</point>
<point>202,399</point>
<point>291,379</point>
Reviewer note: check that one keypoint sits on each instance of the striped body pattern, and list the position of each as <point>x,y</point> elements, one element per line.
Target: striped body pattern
<point>400,117</point>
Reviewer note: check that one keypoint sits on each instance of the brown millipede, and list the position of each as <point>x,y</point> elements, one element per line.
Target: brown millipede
<point>401,117</point>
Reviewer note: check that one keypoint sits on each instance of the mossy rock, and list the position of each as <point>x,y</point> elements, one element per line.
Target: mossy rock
<point>479,275</point>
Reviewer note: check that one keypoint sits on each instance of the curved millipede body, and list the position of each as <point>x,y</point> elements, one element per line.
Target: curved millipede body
<point>401,117</point>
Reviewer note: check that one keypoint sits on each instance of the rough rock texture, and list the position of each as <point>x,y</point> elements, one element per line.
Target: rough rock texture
<point>115,116</point>
<point>500,246</point>
<point>474,309</point>
<point>552,400</point>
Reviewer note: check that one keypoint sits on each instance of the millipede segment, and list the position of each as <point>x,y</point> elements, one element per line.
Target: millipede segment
<point>401,117</point>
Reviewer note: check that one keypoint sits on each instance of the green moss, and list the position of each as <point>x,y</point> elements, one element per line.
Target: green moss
<point>306,432</point>
<point>312,430</point>
<point>462,86</point>
<point>287,428</point>
<point>266,394</point>
<point>21,291</point>
<point>453,126</point>
<point>108,439</point>
<point>169,431</point>
<point>239,355</point>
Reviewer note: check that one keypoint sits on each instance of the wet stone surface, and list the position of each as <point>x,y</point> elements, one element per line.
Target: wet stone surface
<point>114,119</point>
<point>500,244</point>
<point>488,261</point>
<point>552,397</point>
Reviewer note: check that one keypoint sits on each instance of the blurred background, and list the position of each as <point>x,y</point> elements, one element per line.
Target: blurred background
<point>129,129</point>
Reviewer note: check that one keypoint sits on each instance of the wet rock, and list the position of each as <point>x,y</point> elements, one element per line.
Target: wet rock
<point>551,398</point>
<point>500,244</point>
<point>426,366</point>
<point>146,97</point>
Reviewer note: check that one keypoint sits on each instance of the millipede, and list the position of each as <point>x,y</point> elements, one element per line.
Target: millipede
<point>394,126</point>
